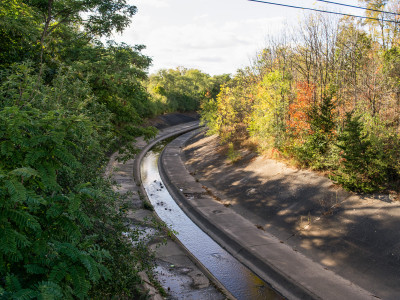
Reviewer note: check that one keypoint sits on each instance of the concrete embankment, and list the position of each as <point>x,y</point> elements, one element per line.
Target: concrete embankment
<point>290,272</point>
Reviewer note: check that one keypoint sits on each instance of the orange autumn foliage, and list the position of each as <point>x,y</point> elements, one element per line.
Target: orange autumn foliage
<point>298,117</point>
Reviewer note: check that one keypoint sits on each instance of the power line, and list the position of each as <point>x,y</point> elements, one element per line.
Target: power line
<point>323,11</point>
<point>359,7</point>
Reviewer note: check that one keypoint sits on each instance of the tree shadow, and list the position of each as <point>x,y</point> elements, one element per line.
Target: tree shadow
<point>357,237</point>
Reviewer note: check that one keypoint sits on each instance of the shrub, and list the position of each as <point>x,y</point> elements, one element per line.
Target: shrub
<point>316,151</point>
<point>362,167</point>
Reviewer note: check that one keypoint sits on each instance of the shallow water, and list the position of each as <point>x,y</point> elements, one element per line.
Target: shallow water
<point>236,278</point>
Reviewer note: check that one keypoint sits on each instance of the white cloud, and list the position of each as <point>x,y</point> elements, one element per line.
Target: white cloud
<point>201,17</point>
<point>203,35</point>
<point>210,59</point>
<point>212,35</point>
<point>156,3</point>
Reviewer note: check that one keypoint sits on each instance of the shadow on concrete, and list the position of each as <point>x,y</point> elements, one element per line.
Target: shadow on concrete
<point>358,237</point>
<point>172,119</point>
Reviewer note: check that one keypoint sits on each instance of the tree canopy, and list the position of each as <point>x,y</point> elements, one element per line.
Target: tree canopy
<point>66,102</point>
<point>326,97</point>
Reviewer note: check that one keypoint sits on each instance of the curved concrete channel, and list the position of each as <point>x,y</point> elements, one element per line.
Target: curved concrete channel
<point>287,271</point>
<point>235,277</point>
<point>223,269</point>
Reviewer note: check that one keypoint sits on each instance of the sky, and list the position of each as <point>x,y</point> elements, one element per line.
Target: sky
<point>214,36</point>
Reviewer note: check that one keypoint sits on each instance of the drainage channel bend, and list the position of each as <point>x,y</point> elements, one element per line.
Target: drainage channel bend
<point>237,279</point>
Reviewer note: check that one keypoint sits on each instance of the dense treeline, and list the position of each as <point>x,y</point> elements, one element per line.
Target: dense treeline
<point>326,96</point>
<point>183,89</point>
<point>66,101</point>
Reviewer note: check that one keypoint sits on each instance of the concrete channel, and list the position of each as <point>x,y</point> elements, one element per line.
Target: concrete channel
<point>293,275</point>
<point>178,272</point>
<point>230,276</point>
<point>235,277</point>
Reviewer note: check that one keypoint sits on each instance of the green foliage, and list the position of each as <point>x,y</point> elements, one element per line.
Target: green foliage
<point>322,119</point>
<point>53,240</point>
<point>392,65</point>
<point>233,155</point>
<point>227,114</point>
<point>110,232</point>
<point>147,205</point>
<point>41,240</point>
<point>209,111</point>
<point>101,17</point>
<point>362,167</point>
<point>316,151</point>
<point>183,89</point>
<point>19,31</point>
<point>66,101</point>
<point>267,121</point>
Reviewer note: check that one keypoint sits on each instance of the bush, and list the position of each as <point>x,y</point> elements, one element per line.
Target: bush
<point>43,251</point>
<point>317,150</point>
<point>59,240</point>
<point>363,167</point>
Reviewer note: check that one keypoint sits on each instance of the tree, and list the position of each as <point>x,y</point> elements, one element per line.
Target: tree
<point>352,48</point>
<point>19,32</point>
<point>270,108</point>
<point>66,101</point>
<point>387,33</point>
<point>297,94</point>
<point>99,17</point>
<point>182,89</point>
<point>362,167</point>
<point>298,110</point>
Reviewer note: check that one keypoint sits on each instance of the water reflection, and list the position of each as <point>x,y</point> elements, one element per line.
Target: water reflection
<point>239,280</point>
